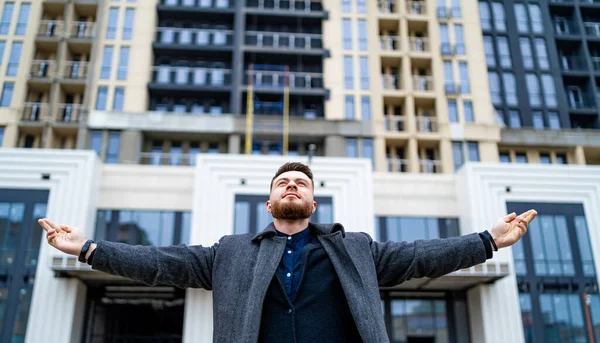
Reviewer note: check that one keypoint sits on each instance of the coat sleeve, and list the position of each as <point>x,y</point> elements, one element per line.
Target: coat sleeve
<point>397,262</point>
<point>178,265</point>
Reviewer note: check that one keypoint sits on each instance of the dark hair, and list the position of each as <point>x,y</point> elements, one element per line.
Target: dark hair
<point>293,166</point>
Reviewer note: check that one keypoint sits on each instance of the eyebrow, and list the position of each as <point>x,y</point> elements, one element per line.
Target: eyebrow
<point>287,179</point>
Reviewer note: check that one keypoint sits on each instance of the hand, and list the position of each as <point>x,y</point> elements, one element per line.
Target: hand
<point>508,230</point>
<point>67,239</point>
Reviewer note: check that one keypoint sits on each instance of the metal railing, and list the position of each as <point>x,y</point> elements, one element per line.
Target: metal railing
<point>572,63</point>
<point>596,62</point>
<point>592,28</point>
<point>75,70</point>
<point>266,39</point>
<point>580,100</point>
<point>219,4</point>
<point>286,5</point>
<point>276,79</point>
<point>68,113</point>
<point>416,8</point>
<point>565,27</point>
<point>430,166</point>
<point>391,82</point>
<point>389,43</point>
<point>36,111</point>
<point>386,6</point>
<point>82,29</point>
<point>51,28</point>
<point>422,83</point>
<point>395,123</point>
<point>42,69</point>
<point>426,124</point>
<point>201,37</point>
<point>198,76</point>
<point>166,159</point>
<point>397,165</point>
<point>419,44</point>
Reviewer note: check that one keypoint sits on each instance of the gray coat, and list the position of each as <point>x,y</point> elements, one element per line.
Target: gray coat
<point>239,268</point>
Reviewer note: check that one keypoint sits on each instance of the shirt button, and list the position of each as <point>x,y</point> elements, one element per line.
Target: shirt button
<point>289,311</point>
<point>289,274</point>
<point>289,251</point>
<point>289,238</point>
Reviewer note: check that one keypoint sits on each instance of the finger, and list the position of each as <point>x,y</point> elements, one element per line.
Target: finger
<point>522,226</point>
<point>509,218</point>
<point>44,224</point>
<point>531,214</point>
<point>66,228</point>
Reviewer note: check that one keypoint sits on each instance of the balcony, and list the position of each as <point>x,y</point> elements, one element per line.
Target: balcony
<point>187,5</point>
<point>395,123</point>
<point>572,63</point>
<point>36,112</point>
<point>391,82</point>
<point>51,28</point>
<point>389,43</point>
<point>82,30</point>
<point>271,79</point>
<point>430,166</point>
<point>190,78</point>
<point>166,159</point>
<point>418,44</point>
<point>69,113</point>
<point>75,70</point>
<point>397,165</point>
<point>386,6</point>
<point>592,29</point>
<point>42,69</point>
<point>580,100</point>
<point>596,63</point>
<point>287,7</point>
<point>426,124</point>
<point>416,8</point>
<point>422,83</point>
<point>282,42</point>
<point>193,39</point>
<point>565,27</point>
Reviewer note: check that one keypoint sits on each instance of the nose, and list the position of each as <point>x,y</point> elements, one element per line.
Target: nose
<point>291,185</point>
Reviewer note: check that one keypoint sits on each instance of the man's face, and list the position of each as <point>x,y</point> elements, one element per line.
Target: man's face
<point>291,197</point>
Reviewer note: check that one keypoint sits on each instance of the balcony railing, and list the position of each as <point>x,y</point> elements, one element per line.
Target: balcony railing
<point>572,63</point>
<point>422,83</point>
<point>68,113</point>
<point>51,28</point>
<point>395,123</point>
<point>219,4</point>
<point>286,5</point>
<point>389,43</point>
<point>43,69</point>
<point>596,62</point>
<point>276,79</point>
<point>397,165</point>
<point>579,100</point>
<point>167,159</point>
<point>75,70</point>
<point>419,44</point>
<point>83,30</point>
<point>191,76</point>
<point>386,6</point>
<point>36,111</point>
<point>197,37</point>
<point>416,8</point>
<point>562,1</point>
<point>592,29</point>
<point>565,27</point>
<point>430,166</point>
<point>391,82</point>
<point>427,124</point>
<point>265,39</point>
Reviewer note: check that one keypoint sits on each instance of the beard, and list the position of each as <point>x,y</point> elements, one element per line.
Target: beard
<point>291,210</point>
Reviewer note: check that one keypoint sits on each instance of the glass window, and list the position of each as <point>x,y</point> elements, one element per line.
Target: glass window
<point>517,248</point>
<point>1,135</point>
<point>473,148</point>
<point>503,52</point>
<point>485,15</point>
<point>542,53</point>
<point>526,53</point>
<point>410,229</point>
<point>346,6</point>
<point>106,62</point>
<point>488,48</point>
<point>7,13</point>
<point>459,40</point>
<point>113,147</point>
<point>561,159</point>
<point>362,35</point>
<point>113,22</point>
<point>364,72</point>
<point>351,147</point>
<point>123,63</point>
<point>448,74</point>
<point>563,318</point>
<point>241,220</point>
<point>549,90</point>
<point>128,26</point>
<point>521,17</point>
<point>348,72</point>
<point>23,19</point>
<point>444,34</point>
<point>350,107</point>
<point>585,247</point>
<point>535,13</point>
<point>2,47</point>
<point>367,150</point>
<point>452,111</point>
<point>538,120</point>
<point>495,90</point>
<point>553,121</point>
<point>347,32</point>
<point>504,157</point>
<point>14,59</point>
<point>533,89</point>
<point>119,99</point>
<point>510,89</point>
<point>456,10</point>
<point>96,142</point>
<point>514,119</point>
<point>101,98</point>
<point>365,107</point>
<point>499,18</point>
<point>522,158</point>
<point>545,159</point>
<point>7,92</point>
<point>457,155</point>
<point>468,111</point>
<point>526,314</point>
<point>361,6</point>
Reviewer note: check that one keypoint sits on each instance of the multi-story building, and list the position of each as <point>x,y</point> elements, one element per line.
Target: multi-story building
<point>390,102</point>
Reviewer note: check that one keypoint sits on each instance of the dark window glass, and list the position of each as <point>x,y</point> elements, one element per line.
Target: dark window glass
<point>545,159</point>
<point>112,150</point>
<point>504,157</point>
<point>457,154</point>
<point>522,158</point>
<point>96,142</point>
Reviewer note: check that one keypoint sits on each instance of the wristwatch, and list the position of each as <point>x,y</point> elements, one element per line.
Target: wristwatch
<point>84,251</point>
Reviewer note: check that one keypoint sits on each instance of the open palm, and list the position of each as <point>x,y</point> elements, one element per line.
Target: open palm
<point>65,238</point>
<point>508,230</point>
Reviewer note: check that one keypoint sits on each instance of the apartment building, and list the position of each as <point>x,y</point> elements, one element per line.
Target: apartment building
<point>409,113</point>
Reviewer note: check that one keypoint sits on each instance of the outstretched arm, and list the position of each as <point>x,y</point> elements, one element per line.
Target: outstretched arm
<point>180,265</point>
<point>397,262</point>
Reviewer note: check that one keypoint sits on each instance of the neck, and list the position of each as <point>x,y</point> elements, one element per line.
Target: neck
<point>290,227</point>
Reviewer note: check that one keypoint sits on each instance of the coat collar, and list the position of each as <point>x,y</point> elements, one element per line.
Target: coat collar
<point>318,229</point>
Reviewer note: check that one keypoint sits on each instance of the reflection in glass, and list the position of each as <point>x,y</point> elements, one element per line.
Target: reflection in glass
<point>263,218</point>
<point>35,239</point>
<point>11,218</point>
<point>563,318</point>
<point>325,213</point>
<point>526,316</point>
<point>585,248</point>
<point>411,229</point>
<point>242,217</point>
<point>419,319</point>
<point>20,325</point>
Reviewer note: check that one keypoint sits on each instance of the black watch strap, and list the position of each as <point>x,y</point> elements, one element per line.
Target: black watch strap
<point>84,250</point>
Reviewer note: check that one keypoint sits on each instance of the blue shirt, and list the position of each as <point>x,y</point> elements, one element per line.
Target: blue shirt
<point>290,266</point>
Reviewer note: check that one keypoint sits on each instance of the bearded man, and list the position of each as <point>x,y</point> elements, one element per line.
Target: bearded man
<point>295,281</point>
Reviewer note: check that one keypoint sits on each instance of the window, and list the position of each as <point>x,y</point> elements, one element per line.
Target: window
<point>514,119</point>
<point>485,15</point>
<point>7,92</point>
<point>347,32</point>
<point>468,111</point>
<point>23,19</point>
<point>533,88</point>
<point>535,13</point>
<point>113,147</point>
<point>361,6</point>
<point>542,53</point>
<point>348,72</point>
<point>365,107</point>
<point>6,17</point>
<point>128,26</point>
<point>2,47</point>
<point>445,40</point>
<point>14,59</point>
<point>364,73</point>
<point>346,6</point>
<point>522,158</point>
<point>351,147</point>
<point>488,47</point>
<point>504,158</point>
<point>113,22</point>
<point>526,53</point>
<point>457,155</point>
<point>449,77</point>
<point>549,90</point>
<point>350,107</point>
<point>510,89</point>
<point>123,63</point>
<point>561,159</point>
<point>499,18</point>
<point>362,35</point>
<point>106,62</point>
<point>456,10</point>
<point>367,150</point>
<point>503,52</point>
<point>473,149</point>
<point>545,159</point>
<point>465,84</point>
<point>1,135</point>
<point>119,99</point>
<point>495,91</point>
<point>101,98</point>
<point>521,17</point>
<point>459,40</point>
<point>452,111</point>
<point>553,121</point>
<point>96,142</point>
<point>538,120</point>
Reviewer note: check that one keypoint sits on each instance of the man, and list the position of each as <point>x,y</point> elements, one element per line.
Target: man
<point>295,281</point>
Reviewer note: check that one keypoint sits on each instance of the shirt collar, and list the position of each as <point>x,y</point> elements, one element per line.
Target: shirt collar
<point>319,229</point>
<point>298,236</point>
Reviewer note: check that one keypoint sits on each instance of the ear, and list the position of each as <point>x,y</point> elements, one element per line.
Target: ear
<point>268,206</point>
<point>314,206</point>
